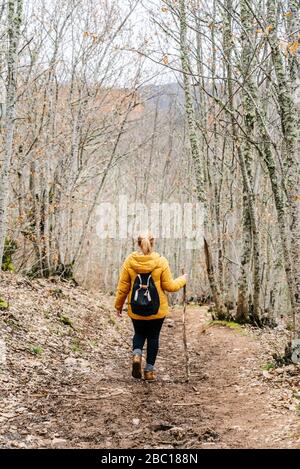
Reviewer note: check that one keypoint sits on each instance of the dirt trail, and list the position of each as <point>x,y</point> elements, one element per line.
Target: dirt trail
<point>79,392</point>
<point>224,405</point>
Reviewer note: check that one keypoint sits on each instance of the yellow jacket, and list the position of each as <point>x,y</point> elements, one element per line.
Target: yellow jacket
<point>138,263</point>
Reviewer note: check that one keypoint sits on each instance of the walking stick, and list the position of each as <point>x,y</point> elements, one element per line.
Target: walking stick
<point>186,353</point>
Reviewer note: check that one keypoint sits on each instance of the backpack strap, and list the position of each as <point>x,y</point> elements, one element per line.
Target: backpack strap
<point>137,291</point>
<point>147,293</point>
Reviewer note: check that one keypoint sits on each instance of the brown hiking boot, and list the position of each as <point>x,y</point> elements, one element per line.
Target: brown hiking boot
<point>149,375</point>
<point>137,366</point>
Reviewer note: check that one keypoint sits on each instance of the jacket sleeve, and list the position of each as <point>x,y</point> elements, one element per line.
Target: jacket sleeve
<point>167,281</point>
<point>123,287</point>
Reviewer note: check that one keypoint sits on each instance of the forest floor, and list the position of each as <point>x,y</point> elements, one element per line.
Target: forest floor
<point>66,379</point>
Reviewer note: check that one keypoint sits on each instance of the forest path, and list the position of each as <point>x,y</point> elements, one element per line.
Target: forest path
<point>227,404</point>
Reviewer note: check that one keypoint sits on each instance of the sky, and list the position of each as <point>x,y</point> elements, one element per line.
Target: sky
<point>140,33</point>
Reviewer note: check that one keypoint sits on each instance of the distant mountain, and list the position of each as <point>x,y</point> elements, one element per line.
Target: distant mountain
<point>164,96</point>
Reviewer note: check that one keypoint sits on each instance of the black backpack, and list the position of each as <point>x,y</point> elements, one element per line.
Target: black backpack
<point>144,296</point>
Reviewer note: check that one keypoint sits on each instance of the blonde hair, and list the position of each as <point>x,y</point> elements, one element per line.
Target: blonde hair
<point>146,242</point>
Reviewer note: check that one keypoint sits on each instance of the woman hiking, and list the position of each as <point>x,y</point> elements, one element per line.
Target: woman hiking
<point>144,278</point>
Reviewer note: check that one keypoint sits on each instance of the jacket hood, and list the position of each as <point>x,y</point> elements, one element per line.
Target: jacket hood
<point>143,264</point>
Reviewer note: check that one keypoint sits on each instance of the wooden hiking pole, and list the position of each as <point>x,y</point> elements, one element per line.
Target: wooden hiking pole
<point>186,352</point>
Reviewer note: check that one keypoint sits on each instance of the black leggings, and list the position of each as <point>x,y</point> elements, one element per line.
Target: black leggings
<point>150,330</point>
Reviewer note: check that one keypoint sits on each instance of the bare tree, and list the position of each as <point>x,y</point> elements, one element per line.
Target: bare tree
<point>14,21</point>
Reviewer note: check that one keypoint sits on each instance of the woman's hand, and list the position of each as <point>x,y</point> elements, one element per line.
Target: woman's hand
<point>119,312</point>
<point>186,277</point>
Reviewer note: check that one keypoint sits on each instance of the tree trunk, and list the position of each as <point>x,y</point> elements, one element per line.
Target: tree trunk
<point>14,16</point>
<point>290,158</point>
<point>195,150</point>
<point>243,149</point>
